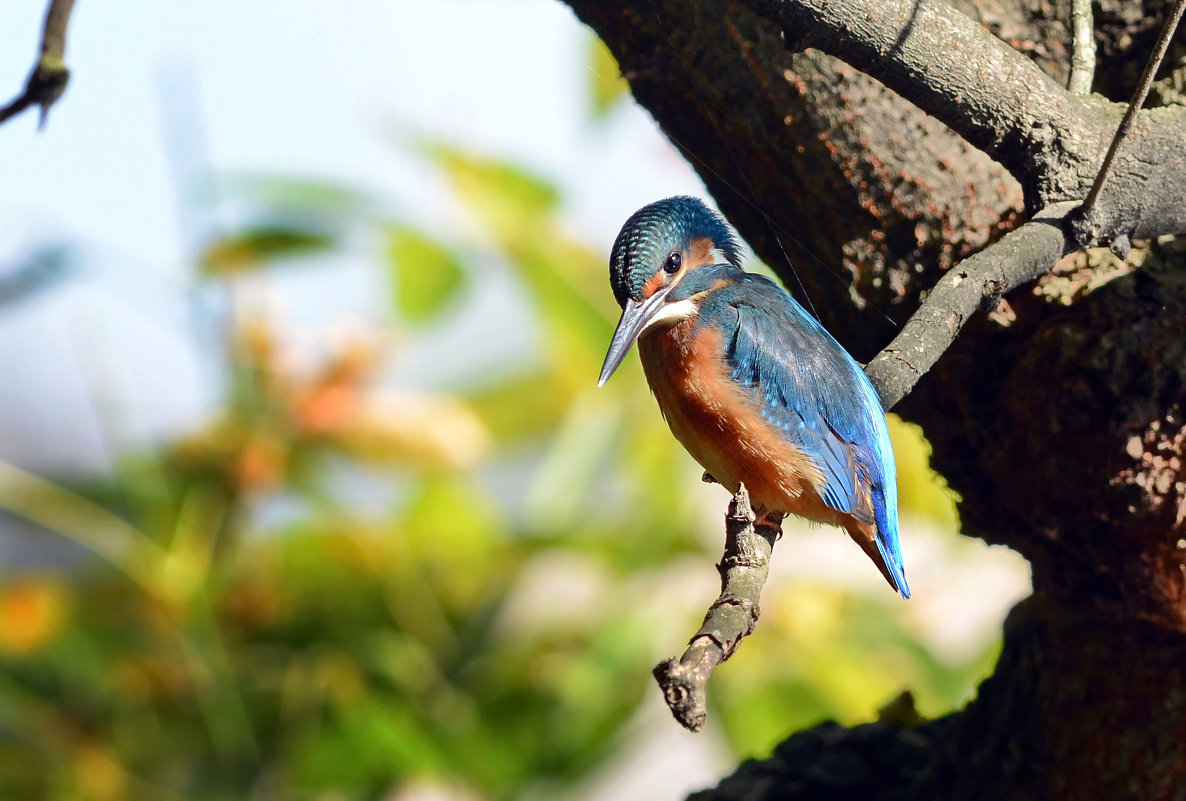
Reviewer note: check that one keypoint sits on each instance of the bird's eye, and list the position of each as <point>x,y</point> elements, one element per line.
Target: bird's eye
<point>673,263</point>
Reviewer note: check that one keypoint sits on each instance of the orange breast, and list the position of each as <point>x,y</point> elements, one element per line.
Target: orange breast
<point>722,428</point>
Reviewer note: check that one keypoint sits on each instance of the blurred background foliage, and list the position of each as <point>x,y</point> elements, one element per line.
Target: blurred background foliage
<point>247,629</point>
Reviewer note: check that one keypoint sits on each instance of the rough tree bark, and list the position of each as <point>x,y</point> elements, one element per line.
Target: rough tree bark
<point>1059,418</point>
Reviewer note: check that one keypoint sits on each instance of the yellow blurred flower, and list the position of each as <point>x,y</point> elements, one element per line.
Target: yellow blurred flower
<point>98,774</point>
<point>32,611</point>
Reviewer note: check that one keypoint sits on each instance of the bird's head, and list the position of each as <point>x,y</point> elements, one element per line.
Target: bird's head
<point>657,266</point>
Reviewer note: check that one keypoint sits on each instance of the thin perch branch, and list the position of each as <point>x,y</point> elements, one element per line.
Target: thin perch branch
<point>732,616</point>
<point>1019,257</point>
<point>1082,48</point>
<point>49,77</point>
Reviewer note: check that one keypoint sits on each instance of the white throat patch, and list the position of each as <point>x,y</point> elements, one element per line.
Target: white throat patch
<point>672,313</point>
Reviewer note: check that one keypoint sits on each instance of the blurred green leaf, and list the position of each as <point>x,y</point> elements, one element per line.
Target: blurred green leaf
<point>519,407</point>
<point>308,195</point>
<point>426,273</point>
<point>607,87</point>
<point>578,325</point>
<point>255,247</point>
<point>832,655</point>
<point>920,490</point>
<point>566,278</point>
<point>560,490</point>
<point>513,204</point>
<point>456,533</point>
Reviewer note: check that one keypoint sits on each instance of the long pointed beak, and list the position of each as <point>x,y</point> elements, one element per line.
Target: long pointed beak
<point>634,319</point>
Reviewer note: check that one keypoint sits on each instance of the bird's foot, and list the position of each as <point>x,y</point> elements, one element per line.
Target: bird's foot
<point>771,520</point>
<point>707,478</point>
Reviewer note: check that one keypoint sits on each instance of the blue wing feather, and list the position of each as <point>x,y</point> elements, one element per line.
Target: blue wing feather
<point>781,405</point>
<point>808,386</point>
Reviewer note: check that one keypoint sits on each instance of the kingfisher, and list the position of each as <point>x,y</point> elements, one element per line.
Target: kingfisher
<point>754,387</point>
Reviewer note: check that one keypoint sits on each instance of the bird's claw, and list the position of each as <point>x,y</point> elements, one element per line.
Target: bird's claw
<point>771,520</point>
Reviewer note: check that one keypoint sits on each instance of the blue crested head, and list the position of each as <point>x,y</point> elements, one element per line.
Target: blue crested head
<point>667,253</point>
<point>681,226</point>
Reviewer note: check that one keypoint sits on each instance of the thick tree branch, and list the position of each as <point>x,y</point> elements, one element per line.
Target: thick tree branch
<point>1021,256</point>
<point>948,65</point>
<point>732,616</point>
<point>1087,225</point>
<point>1050,140</point>
<point>49,77</point>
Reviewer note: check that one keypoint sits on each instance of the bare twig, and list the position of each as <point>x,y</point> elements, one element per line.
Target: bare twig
<point>1082,48</point>
<point>976,282</point>
<point>49,77</point>
<point>732,616</point>
<point>1138,100</point>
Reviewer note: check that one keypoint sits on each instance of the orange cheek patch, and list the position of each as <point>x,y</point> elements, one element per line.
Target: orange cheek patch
<point>653,284</point>
<point>700,252</point>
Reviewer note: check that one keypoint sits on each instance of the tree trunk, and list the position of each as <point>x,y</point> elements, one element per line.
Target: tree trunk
<point>1058,418</point>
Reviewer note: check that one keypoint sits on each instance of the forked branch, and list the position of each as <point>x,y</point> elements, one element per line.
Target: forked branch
<point>975,283</point>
